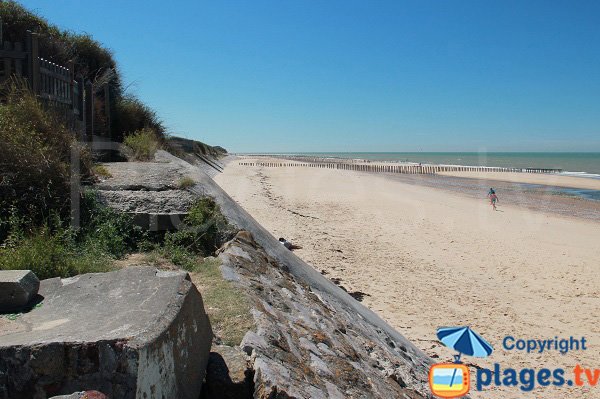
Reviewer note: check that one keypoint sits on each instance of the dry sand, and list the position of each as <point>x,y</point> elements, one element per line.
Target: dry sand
<point>429,258</point>
<point>532,178</point>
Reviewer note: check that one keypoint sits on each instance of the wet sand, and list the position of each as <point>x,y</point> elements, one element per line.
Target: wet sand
<point>557,180</point>
<point>424,256</point>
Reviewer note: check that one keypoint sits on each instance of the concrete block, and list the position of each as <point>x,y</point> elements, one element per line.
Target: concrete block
<point>133,333</point>
<point>17,289</point>
<point>82,395</point>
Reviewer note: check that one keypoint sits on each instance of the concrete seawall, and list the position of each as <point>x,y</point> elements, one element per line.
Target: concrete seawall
<point>411,359</point>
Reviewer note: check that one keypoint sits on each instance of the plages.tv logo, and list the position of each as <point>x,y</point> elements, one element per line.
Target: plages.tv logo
<point>452,380</point>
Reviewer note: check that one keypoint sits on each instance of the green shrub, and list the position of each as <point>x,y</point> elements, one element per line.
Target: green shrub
<point>143,144</point>
<point>54,250</point>
<point>56,45</point>
<point>178,255</point>
<point>52,254</point>
<point>185,182</point>
<point>108,231</point>
<point>206,229</point>
<point>132,115</point>
<point>101,171</point>
<point>36,159</point>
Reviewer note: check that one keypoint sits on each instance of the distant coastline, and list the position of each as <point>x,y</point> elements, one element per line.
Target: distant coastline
<point>578,164</point>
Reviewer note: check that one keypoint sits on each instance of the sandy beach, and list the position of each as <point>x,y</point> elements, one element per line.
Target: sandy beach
<point>424,257</point>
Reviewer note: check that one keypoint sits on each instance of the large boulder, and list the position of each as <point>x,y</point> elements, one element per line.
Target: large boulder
<point>133,333</point>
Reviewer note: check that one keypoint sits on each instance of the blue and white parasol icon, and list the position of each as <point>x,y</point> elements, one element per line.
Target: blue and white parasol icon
<point>465,341</point>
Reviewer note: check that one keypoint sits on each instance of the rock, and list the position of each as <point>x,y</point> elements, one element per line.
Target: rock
<point>149,192</point>
<point>83,395</point>
<point>17,289</point>
<point>133,333</point>
<point>145,201</point>
<point>147,176</point>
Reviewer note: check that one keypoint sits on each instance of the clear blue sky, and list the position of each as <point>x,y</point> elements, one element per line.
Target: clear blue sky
<point>304,75</point>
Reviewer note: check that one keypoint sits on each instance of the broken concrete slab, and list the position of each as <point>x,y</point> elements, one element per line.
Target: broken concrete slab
<point>168,201</point>
<point>147,176</point>
<point>82,395</point>
<point>17,289</point>
<point>149,192</point>
<point>136,332</point>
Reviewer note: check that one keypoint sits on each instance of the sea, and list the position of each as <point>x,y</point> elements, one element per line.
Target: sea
<point>584,164</point>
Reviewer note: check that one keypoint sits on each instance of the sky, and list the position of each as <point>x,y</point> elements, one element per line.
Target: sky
<point>372,75</point>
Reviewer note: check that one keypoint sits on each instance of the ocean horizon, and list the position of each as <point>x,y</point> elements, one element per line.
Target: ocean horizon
<point>585,164</point>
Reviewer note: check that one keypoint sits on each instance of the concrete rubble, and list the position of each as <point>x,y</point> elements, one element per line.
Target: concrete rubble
<point>133,333</point>
<point>149,191</point>
<point>18,289</point>
<point>83,395</point>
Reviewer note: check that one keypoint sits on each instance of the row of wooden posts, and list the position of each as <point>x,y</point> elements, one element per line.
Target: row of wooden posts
<point>406,169</point>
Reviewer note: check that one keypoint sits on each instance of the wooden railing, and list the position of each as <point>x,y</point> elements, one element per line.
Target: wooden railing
<point>58,86</point>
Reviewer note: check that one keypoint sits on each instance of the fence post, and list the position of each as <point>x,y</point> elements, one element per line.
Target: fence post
<point>19,62</point>
<point>107,109</point>
<point>33,62</point>
<point>7,61</point>
<point>89,110</point>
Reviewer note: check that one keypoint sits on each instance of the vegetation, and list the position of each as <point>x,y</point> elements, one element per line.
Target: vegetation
<point>185,182</point>
<point>142,144</point>
<point>131,115</point>
<point>181,147</point>
<point>41,158</point>
<point>206,229</point>
<point>227,307</point>
<point>52,254</point>
<point>92,60</point>
<point>39,155</point>
<point>58,250</point>
<point>101,171</point>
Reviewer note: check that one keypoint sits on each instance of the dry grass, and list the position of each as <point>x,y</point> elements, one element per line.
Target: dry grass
<point>101,171</point>
<point>186,182</point>
<point>37,155</point>
<point>227,306</point>
<point>142,144</point>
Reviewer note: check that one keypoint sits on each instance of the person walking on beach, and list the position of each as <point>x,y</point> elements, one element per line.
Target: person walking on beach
<point>493,198</point>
